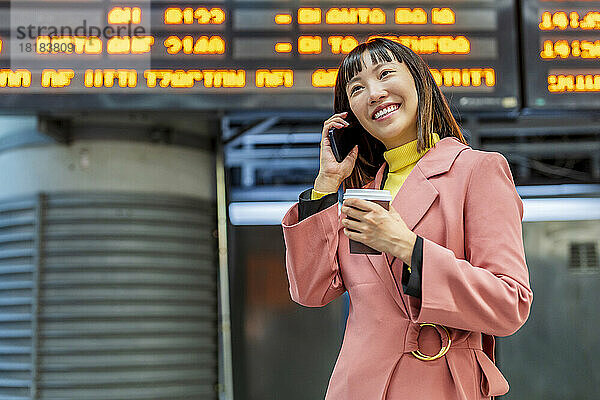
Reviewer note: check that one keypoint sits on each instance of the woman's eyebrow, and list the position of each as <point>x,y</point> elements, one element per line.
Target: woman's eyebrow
<point>376,67</point>
<point>354,79</point>
<point>381,65</point>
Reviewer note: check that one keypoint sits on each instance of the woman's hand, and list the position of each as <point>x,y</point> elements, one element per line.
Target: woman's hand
<point>332,173</point>
<point>378,228</point>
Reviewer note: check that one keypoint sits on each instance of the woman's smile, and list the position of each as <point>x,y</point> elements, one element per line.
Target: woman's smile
<point>384,111</point>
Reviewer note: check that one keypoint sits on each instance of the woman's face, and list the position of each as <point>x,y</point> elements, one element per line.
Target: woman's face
<point>384,99</point>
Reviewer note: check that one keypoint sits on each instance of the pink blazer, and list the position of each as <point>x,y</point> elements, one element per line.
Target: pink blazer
<point>474,280</point>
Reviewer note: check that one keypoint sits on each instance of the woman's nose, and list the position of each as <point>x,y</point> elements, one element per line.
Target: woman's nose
<point>377,94</point>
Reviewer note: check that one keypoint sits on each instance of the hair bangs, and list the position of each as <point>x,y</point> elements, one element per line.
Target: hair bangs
<point>354,63</point>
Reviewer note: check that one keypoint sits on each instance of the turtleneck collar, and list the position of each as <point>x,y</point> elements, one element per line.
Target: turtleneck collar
<point>401,156</point>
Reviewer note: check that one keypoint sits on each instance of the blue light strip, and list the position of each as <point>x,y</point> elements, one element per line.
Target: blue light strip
<point>548,209</point>
<point>558,190</point>
<point>561,209</point>
<point>258,213</point>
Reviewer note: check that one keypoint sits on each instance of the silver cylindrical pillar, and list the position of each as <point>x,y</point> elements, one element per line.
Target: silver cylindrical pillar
<point>108,272</point>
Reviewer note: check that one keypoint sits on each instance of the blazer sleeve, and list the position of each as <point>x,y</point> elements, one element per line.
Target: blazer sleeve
<point>308,207</point>
<point>411,280</point>
<point>311,256</point>
<point>488,291</point>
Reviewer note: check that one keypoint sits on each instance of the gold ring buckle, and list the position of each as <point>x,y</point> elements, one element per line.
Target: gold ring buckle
<point>424,357</point>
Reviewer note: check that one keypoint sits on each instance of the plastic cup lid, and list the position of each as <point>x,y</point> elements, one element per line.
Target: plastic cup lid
<point>368,194</point>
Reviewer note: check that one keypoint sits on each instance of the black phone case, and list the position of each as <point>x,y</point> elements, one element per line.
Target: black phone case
<point>334,147</point>
<point>342,142</point>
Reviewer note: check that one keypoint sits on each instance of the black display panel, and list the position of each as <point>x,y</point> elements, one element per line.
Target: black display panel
<point>562,43</point>
<point>242,54</point>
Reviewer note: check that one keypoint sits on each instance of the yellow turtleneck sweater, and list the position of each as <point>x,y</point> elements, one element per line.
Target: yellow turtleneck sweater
<point>401,161</point>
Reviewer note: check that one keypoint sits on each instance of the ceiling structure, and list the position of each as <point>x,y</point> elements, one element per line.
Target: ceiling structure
<point>274,156</point>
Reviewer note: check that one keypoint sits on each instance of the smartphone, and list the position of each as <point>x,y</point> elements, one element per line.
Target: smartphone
<point>342,141</point>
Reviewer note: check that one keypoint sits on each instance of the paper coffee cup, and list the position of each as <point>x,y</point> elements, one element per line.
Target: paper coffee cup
<point>381,197</point>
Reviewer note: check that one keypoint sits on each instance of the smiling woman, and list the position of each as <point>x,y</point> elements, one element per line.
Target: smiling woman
<point>381,72</point>
<point>451,274</point>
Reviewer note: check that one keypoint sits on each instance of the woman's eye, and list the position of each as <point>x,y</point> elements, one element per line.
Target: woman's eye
<point>354,89</point>
<point>384,73</point>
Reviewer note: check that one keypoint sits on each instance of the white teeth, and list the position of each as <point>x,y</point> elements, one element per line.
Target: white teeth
<point>386,111</point>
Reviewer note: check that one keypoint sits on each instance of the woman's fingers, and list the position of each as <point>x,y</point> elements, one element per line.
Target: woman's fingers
<point>340,115</point>
<point>353,226</point>
<point>335,121</point>
<point>338,119</point>
<point>354,212</point>
<point>338,124</point>
<point>358,204</point>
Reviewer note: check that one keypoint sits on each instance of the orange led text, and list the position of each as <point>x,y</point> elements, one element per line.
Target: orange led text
<point>573,83</point>
<point>126,15</point>
<point>283,47</point>
<point>342,44</point>
<point>434,44</point>
<point>443,16</point>
<point>565,49</point>
<point>129,45</point>
<point>418,16</point>
<point>201,15</point>
<point>410,16</point>
<point>228,78</point>
<point>464,76</point>
<point>16,78</point>
<point>324,77</point>
<point>283,19</point>
<point>353,16</point>
<point>309,15</point>
<point>57,78</point>
<point>189,45</point>
<point>274,78</point>
<point>309,44</point>
<point>106,77</point>
<point>561,20</point>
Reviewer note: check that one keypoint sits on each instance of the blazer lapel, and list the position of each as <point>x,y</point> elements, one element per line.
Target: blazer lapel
<point>379,261</point>
<point>415,197</point>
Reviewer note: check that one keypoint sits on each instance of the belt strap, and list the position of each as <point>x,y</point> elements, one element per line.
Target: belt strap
<point>413,341</point>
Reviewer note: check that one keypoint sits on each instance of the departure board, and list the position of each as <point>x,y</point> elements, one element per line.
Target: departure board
<point>242,54</point>
<point>562,41</point>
